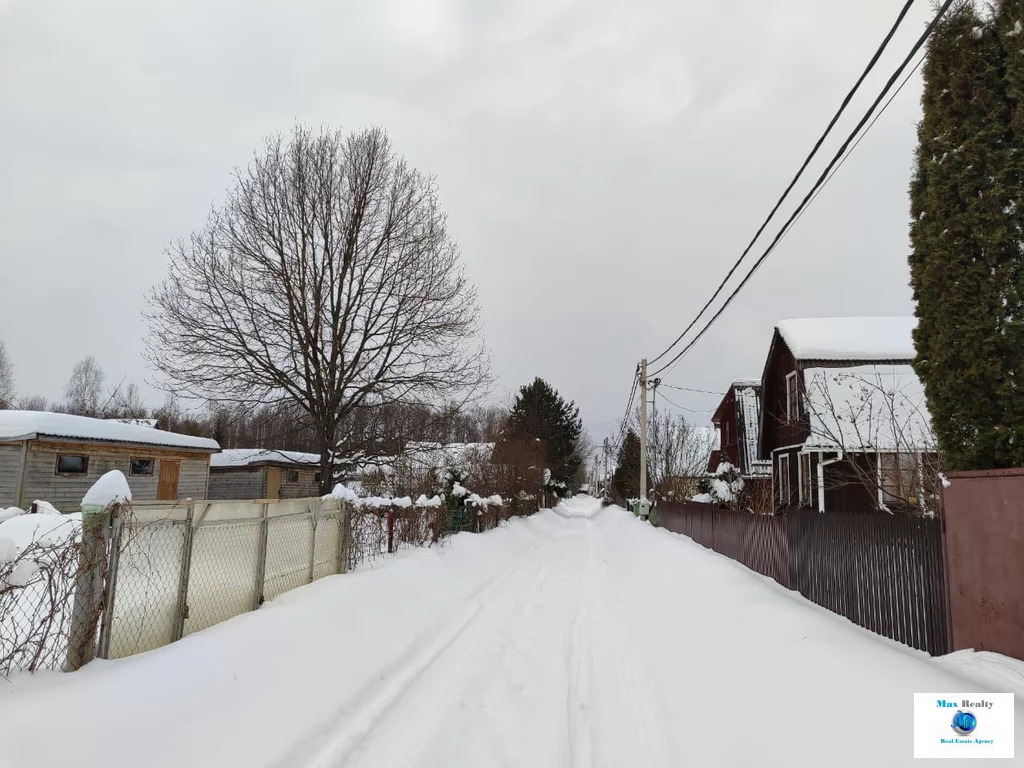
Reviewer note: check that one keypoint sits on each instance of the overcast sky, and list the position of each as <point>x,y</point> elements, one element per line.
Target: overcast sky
<point>602,164</point>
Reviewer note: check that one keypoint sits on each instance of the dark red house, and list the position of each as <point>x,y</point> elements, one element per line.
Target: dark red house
<point>843,420</point>
<point>738,421</point>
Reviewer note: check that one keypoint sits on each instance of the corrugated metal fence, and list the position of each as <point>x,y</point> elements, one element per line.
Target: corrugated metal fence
<point>883,572</point>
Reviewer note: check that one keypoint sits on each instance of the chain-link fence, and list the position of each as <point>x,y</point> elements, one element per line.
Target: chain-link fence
<point>170,569</point>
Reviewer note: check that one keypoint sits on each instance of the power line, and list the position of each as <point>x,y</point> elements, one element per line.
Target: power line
<point>629,406</point>
<point>842,162</point>
<point>865,133</point>
<point>681,407</point>
<point>764,225</point>
<point>817,185</point>
<point>690,389</point>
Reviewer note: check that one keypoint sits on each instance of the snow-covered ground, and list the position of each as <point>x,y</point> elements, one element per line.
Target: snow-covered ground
<point>577,637</point>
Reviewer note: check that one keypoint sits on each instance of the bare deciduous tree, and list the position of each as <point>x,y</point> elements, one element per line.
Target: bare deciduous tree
<point>6,379</point>
<point>881,424</point>
<point>82,394</point>
<point>125,402</point>
<point>32,403</point>
<point>327,278</point>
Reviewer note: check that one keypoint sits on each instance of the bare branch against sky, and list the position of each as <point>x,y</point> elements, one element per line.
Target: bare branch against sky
<point>601,164</point>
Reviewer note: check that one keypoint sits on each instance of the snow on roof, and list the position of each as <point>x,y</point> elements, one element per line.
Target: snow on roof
<point>850,338</point>
<point>244,457</point>
<point>151,423</point>
<point>28,425</point>
<point>872,407</point>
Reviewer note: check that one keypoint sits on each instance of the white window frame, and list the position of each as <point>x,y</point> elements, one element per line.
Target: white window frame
<point>804,499</point>
<point>784,480</point>
<point>792,409</point>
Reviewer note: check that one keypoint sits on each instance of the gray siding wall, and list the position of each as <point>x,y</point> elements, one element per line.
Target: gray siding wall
<point>305,488</point>
<point>10,473</point>
<point>65,493</point>
<point>243,483</point>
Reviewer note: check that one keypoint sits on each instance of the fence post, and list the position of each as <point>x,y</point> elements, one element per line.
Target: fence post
<point>343,538</point>
<point>391,530</point>
<point>181,610</point>
<point>261,557</point>
<point>314,519</point>
<point>113,565</point>
<point>89,586</point>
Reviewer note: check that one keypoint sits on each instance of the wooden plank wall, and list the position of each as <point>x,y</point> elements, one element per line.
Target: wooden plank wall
<point>10,473</point>
<point>66,492</point>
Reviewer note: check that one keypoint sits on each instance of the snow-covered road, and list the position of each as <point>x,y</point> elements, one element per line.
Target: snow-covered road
<point>580,637</point>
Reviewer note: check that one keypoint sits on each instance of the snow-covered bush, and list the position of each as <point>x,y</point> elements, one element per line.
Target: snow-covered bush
<point>727,486</point>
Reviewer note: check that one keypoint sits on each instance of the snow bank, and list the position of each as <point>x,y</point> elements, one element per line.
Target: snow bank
<point>7,514</point>
<point>111,488</point>
<point>23,530</point>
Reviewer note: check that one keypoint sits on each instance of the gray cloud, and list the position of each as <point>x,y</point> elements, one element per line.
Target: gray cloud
<point>602,164</point>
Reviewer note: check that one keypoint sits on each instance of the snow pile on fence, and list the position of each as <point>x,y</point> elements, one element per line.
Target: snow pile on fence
<point>112,488</point>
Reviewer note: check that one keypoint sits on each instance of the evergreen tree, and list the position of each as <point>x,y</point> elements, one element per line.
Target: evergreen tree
<point>626,480</point>
<point>539,414</point>
<point>966,237</point>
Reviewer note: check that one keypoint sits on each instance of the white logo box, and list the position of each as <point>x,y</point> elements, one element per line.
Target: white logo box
<point>934,736</point>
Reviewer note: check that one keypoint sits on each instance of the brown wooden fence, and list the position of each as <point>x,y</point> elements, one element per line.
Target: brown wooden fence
<point>883,572</point>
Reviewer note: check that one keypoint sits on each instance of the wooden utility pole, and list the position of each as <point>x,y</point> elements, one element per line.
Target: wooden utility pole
<point>644,509</point>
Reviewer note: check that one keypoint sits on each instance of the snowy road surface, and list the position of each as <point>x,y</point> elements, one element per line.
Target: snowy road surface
<point>580,637</point>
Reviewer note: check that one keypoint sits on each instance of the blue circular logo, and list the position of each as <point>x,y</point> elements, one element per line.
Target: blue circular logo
<point>964,723</point>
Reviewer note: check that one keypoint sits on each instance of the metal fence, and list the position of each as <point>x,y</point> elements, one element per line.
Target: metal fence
<point>883,572</point>
<point>984,536</point>
<point>182,568</point>
<point>158,571</point>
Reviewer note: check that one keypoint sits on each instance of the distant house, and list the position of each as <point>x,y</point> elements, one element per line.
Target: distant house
<point>843,419</point>
<point>738,421</point>
<point>258,473</point>
<point>56,457</point>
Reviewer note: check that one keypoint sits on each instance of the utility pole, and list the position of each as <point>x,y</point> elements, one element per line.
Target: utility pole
<point>644,509</point>
<point>604,480</point>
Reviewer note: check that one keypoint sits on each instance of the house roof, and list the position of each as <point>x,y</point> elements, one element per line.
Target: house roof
<point>871,407</point>
<point>850,338</point>
<point>30,425</point>
<point>249,457</point>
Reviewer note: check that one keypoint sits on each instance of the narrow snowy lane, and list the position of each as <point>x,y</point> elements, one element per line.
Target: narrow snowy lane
<point>580,637</point>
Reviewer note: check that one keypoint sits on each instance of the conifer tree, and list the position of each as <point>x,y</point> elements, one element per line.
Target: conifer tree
<point>966,260</point>
<point>541,415</point>
<point>626,480</point>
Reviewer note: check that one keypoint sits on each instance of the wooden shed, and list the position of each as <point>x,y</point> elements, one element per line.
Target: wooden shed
<point>260,473</point>
<point>56,457</point>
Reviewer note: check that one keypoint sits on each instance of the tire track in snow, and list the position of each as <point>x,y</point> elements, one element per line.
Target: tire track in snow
<point>332,746</point>
<point>471,707</point>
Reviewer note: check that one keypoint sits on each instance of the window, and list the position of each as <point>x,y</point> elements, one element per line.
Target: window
<point>142,466</point>
<point>72,465</point>
<point>782,480</point>
<point>806,480</point>
<point>898,476</point>
<point>792,397</point>
<point>293,476</point>
<point>316,478</point>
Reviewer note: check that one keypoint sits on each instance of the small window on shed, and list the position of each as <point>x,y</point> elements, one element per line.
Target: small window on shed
<point>316,478</point>
<point>293,476</point>
<point>142,466</point>
<point>68,464</point>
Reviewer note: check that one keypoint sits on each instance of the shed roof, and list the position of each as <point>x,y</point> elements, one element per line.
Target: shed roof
<point>850,338</point>
<point>247,457</point>
<point>30,425</point>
